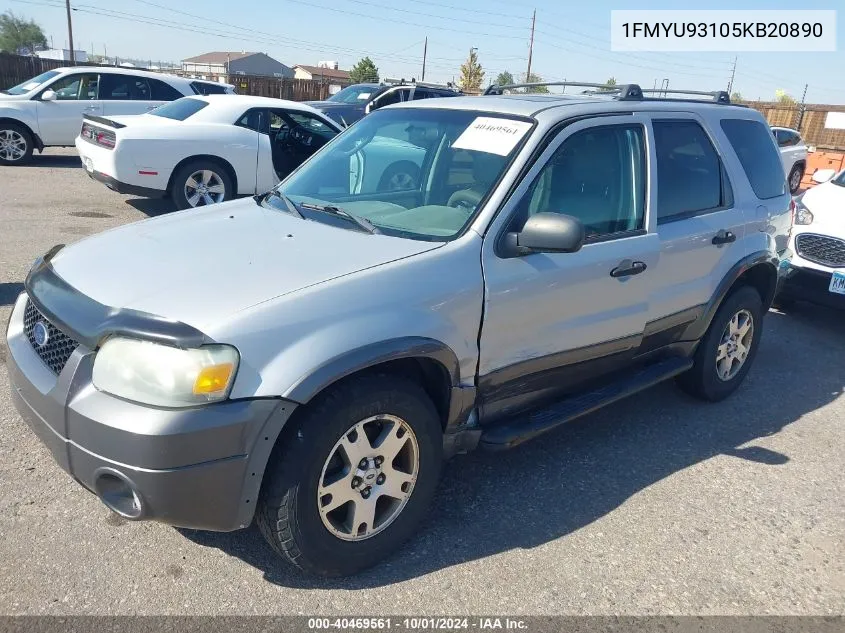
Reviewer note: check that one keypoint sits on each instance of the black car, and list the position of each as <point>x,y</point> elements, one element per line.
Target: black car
<point>353,102</point>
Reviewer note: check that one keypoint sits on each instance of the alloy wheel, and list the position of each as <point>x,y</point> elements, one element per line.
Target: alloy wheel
<point>794,180</point>
<point>204,187</point>
<point>12,145</point>
<point>735,345</point>
<point>401,181</point>
<point>368,477</point>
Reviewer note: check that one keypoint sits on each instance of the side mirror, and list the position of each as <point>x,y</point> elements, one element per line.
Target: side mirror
<point>546,233</point>
<point>821,176</point>
<point>48,95</point>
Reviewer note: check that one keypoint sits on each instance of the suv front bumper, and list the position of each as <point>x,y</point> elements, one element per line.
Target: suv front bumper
<point>197,468</point>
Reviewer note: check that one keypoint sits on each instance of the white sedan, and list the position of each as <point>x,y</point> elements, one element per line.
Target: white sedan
<point>816,270</point>
<point>205,149</point>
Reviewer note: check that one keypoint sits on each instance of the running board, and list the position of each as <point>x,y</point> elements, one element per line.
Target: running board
<point>528,426</point>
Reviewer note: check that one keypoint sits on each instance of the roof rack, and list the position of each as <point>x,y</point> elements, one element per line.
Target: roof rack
<point>621,92</point>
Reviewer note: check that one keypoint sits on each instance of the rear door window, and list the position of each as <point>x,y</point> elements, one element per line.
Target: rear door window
<point>691,179</point>
<point>114,87</point>
<point>758,156</point>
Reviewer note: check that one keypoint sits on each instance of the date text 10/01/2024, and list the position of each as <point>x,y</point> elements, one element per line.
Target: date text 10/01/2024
<point>445,624</point>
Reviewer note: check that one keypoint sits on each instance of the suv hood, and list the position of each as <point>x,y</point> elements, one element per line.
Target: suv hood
<point>202,266</point>
<point>7,98</point>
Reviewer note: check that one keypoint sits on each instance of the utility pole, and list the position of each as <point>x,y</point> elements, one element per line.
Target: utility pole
<point>531,47</point>
<point>70,33</point>
<point>801,109</point>
<point>425,52</point>
<point>733,74</point>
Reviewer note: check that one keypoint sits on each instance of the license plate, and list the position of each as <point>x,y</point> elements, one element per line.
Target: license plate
<point>837,283</point>
<point>89,164</point>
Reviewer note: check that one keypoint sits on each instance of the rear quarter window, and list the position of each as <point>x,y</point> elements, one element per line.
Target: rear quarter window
<point>162,91</point>
<point>208,88</point>
<point>758,155</point>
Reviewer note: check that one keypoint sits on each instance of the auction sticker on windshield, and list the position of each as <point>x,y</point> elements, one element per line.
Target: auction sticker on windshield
<point>492,135</point>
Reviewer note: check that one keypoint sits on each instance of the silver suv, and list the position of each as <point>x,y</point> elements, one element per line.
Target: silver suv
<point>308,357</point>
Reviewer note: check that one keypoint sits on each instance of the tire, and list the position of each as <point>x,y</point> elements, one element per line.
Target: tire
<point>204,173</point>
<point>289,512</point>
<point>703,380</point>
<point>16,144</point>
<point>401,176</point>
<point>794,180</point>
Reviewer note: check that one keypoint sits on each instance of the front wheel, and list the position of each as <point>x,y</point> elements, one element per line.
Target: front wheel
<point>353,478</point>
<point>201,183</point>
<point>16,144</point>
<point>726,352</point>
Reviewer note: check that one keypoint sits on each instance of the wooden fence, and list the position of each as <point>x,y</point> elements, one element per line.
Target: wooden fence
<point>810,124</point>
<point>15,69</point>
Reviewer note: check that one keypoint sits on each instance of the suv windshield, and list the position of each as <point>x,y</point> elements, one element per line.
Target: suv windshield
<point>32,84</point>
<point>180,109</point>
<point>354,94</point>
<point>840,179</point>
<point>418,173</point>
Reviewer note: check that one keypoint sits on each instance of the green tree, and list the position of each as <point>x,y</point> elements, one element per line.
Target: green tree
<point>533,79</point>
<point>783,97</point>
<point>736,96</point>
<point>364,71</point>
<point>504,78</point>
<point>609,84</point>
<point>472,75</point>
<point>17,34</point>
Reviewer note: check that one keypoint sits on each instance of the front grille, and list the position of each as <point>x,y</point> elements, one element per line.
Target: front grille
<point>58,348</point>
<point>827,251</point>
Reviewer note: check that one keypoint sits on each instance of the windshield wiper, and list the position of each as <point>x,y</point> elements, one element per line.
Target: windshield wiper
<point>274,193</point>
<point>363,223</point>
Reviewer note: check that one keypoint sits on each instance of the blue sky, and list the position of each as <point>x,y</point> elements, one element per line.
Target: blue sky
<point>572,39</point>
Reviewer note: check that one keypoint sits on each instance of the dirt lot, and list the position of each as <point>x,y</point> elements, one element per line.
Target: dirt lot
<point>660,504</point>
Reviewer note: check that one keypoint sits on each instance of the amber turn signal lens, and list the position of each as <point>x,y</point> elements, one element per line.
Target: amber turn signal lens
<point>213,379</point>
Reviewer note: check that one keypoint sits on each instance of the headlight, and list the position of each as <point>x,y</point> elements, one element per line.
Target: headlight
<point>165,376</point>
<point>802,213</point>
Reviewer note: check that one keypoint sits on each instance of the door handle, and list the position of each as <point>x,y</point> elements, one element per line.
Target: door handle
<point>627,268</point>
<point>723,237</point>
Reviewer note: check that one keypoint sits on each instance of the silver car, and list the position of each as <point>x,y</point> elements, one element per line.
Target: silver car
<point>307,358</point>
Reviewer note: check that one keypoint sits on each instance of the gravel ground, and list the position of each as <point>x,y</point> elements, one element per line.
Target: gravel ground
<point>657,505</point>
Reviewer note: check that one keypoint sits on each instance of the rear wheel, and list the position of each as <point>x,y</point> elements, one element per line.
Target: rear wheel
<point>795,177</point>
<point>726,352</point>
<point>201,183</point>
<point>353,478</point>
<point>16,144</point>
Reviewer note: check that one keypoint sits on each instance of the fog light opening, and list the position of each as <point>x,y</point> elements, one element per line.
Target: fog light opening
<point>119,495</point>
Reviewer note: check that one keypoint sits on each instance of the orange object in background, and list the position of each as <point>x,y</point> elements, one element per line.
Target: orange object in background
<point>821,160</point>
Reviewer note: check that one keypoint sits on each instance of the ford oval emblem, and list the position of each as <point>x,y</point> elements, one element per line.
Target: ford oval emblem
<point>41,333</point>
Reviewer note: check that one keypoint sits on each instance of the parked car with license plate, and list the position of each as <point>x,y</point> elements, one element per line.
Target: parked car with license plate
<point>308,357</point>
<point>816,270</point>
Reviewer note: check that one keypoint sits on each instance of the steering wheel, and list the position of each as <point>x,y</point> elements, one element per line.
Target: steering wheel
<point>466,200</point>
